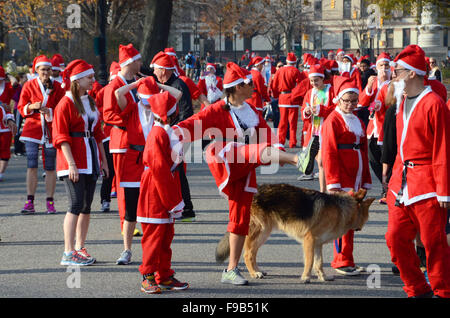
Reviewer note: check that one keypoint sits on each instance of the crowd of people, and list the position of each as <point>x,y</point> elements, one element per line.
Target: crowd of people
<point>391,116</point>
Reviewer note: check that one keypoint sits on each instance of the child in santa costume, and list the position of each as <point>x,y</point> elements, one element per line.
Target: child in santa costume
<point>138,127</point>
<point>7,124</point>
<point>160,201</point>
<point>418,191</point>
<point>38,98</point>
<point>284,81</point>
<point>130,64</point>
<point>57,67</point>
<point>345,160</point>
<point>210,84</point>
<point>242,142</point>
<point>260,94</point>
<point>317,105</point>
<point>81,158</point>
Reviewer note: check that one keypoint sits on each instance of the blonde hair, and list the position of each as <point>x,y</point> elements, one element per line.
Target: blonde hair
<point>75,90</point>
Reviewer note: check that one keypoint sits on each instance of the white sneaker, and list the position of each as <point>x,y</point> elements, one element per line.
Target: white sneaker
<point>305,177</point>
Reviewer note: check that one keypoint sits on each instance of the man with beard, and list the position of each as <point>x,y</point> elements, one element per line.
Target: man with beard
<point>210,84</point>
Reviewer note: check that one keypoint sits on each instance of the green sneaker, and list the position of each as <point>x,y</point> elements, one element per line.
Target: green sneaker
<point>233,277</point>
<point>305,161</point>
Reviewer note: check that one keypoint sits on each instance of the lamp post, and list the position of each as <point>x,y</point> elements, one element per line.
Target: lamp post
<point>220,39</point>
<point>102,74</point>
<point>235,42</point>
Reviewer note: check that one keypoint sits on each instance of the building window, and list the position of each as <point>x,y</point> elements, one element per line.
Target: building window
<point>406,37</point>
<point>363,9</point>
<point>318,40</point>
<point>445,40</point>
<point>347,9</point>
<point>228,43</point>
<point>390,38</point>
<point>318,10</point>
<point>346,39</point>
<point>186,41</point>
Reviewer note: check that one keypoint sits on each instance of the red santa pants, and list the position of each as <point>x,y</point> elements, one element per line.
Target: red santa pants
<point>288,115</point>
<point>429,219</point>
<point>118,160</point>
<point>156,251</point>
<point>343,251</point>
<point>5,145</point>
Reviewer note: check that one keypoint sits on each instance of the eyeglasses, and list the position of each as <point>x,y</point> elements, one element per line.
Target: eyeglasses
<point>45,69</point>
<point>399,69</point>
<point>350,101</point>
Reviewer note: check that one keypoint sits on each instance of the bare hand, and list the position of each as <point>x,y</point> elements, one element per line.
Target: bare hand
<point>73,173</point>
<point>12,126</point>
<point>35,106</point>
<point>44,110</point>
<point>105,170</point>
<point>371,80</point>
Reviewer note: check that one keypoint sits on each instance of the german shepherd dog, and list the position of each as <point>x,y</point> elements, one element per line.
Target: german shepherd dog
<point>308,216</point>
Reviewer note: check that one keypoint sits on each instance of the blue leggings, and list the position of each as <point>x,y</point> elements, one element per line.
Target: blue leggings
<point>48,158</point>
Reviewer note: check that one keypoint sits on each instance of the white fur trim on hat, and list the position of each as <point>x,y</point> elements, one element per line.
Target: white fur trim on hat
<point>315,74</point>
<point>154,65</point>
<point>131,60</point>
<point>82,74</point>
<point>41,64</point>
<point>383,60</point>
<point>347,90</point>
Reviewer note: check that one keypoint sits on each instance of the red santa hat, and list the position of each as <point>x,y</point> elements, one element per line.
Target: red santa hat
<point>170,51</point>
<point>256,61</point>
<point>128,54</point>
<point>211,65</point>
<point>162,60</point>
<point>331,65</point>
<point>163,105</point>
<point>41,60</point>
<point>340,51</point>
<point>316,70</point>
<point>235,75</point>
<point>147,88</point>
<point>2,73</point>
<point>306,57</point>
<point>383,57</point>
<point>77,69</point>
<point>343,85</point>
<point>114,69</point>
<point>57,62</point>
<point>351,57</point>
<point>291,58</point>
<point>330,52</point>
<point>412,58</point>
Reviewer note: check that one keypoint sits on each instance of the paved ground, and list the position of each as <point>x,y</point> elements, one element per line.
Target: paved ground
<point>31,248</point>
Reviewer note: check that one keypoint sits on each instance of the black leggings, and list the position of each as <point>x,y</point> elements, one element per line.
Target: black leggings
<point>105,191</point>
<point>80,193</point>
<point>131,203</point>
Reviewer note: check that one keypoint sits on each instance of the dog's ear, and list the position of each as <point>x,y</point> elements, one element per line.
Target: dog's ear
<point>366,203</point>
<point>359,196</point>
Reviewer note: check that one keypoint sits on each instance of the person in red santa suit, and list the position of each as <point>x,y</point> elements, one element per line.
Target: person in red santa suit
<point>57,68</point>
<point>345,161</point>
<point>317,105</point>
<point>8,126</point>
<point>284,81</point>
<point>130,62</point>
<point>38,98</point>
<point>210,85</point>
<point>418,191</point>
<point>107,182</point>
<point>138,127</point>
<point>242,142</point>
<point>160,201</point>
<point>373,98</point>
<point>81,158</point>
<point>348,69</point>
<point>260,94</point>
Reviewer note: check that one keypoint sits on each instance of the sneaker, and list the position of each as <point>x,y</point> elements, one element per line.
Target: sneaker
<point>28,208</point>
<point>395,270</point>
<point>51,207</point>
<point>305,177</point>
<point>149,285</point>
<point>348,270</point>
<point>187,216</point>
<point>114,194</point>
<point>82,251</point>
<point>125,258</point>
<point>382,201</point>
<point>74,258</point>
<point>316,175</point>
<point>105,206</point>
<point>233,277</point>
<point>137,232</point>
<point>173,284</point>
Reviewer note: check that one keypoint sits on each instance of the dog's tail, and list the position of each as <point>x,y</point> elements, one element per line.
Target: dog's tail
<point>223,249</point>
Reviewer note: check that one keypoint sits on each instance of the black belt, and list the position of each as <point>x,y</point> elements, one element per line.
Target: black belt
<point>137,147</point>
<point>406,164</point>
<point>349,146</point>
<point>286,92</point>
<point>115,126</point>
<point>80,134</point>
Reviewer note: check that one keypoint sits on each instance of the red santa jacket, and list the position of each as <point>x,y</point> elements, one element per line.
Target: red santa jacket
<point>116,118</point>
<point>345,168</point>
<point>6,94</point>
<point>204,90</point>
<point>260,91</point>
<point>138,129</point>
<point>193,89</point>
<point>321,111</point>
<point>38,126</point>
<point>223,126</point>
<point>423,141</point>
<point>66,121</point>
<point>438,88</point>
<point>354,73</point>
<point>160,199</point>
<point>374,98</point>
<point>284,81</point>
<point>99,103</point>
